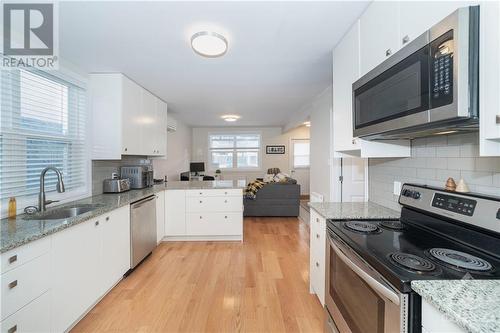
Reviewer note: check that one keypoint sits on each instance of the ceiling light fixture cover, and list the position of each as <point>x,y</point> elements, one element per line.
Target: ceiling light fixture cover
<point>209,44</point>
<point>230,117</point>
<point>307,123</point>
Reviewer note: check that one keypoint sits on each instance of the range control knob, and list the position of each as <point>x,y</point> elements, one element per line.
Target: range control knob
<point>415,195</point>
<point>406,193</point>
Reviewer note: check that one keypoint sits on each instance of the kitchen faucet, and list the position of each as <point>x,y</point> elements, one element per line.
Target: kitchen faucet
<point>41,196</point>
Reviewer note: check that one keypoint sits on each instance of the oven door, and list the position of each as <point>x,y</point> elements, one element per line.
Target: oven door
<point>357,297</point>
<point>396,93</point>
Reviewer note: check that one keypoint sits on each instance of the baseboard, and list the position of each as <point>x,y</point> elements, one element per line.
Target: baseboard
<point>226,238</point>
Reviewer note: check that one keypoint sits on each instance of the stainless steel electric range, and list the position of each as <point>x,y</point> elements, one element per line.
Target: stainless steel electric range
<point>370,264</point>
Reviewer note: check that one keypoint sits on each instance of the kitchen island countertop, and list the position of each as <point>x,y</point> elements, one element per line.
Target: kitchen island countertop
<point>471,304</point>
<point>353,210</point>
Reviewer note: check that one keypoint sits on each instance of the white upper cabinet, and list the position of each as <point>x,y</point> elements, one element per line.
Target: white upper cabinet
<point>379,34</point>
<point>489,79</point>
<point>416,17</point>
<point>125,118</point>
<point>345,72</point>
<point>131,127</point>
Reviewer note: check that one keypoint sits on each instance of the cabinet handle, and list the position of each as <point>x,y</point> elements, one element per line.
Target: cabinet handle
<point>353,141</point>
<point>225,201</point>
<point>96,223</point>
<point>317,235</point>
<point>13,329</point>
<point>201,217</point>
<point>201,193</point>
<point>225,192</point>
<point>201,201</point>
<point>317,264</point>
<point>317,220</point>
<point>107,218</point>
<point>13,259</point>
<point>406,39</point>
<point>225,217</point>
<point>126,149</point>
<point>13,284</point>
<point>388,52</point>
<point>498,119</point>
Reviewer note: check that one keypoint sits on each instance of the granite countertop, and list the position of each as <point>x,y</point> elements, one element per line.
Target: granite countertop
<point>353,210</point>
<point>472,304</point>
<point>19,231</point>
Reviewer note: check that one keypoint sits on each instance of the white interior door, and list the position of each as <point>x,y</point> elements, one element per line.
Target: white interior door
<point>353,179</point>
<point>299,163</point>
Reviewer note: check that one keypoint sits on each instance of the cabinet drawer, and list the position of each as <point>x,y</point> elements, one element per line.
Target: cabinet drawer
<point>214,193</point>
<point>214,224</point>
<point>214,204</point>
<point>317,276</point>
<point>21,255</point>
<point>34,317</point>
<point>317,242</point>
<point>23,284</point>
<point>317,220</point>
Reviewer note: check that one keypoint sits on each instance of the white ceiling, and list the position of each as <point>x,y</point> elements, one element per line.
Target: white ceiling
<point>279,54</point>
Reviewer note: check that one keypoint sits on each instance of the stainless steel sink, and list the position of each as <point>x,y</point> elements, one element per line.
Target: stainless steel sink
<point>63,212</point>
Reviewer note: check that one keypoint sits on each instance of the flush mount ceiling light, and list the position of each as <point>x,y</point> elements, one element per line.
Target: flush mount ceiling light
<point>209,44</point>
<point>230,117</point>
<point>307,123</point>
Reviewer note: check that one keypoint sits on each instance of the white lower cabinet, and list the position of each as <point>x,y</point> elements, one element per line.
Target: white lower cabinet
<point>317,255</point>
<point>160,216</point>
<point>115,257</point>
<point>76,272</point>
<point>204,214</point>
<point>433,321</point>
<point>175,213</point>
<point>87,261</point>
<point>34,317</point>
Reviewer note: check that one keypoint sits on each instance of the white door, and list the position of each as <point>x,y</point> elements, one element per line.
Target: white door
<point>353,179</point>
<point>299,163</point>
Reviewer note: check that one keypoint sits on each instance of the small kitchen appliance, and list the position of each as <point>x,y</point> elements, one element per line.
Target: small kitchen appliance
<point>441,235</point>
<point>140,176</point>
<point>429,87</point>
<point>115,185</point>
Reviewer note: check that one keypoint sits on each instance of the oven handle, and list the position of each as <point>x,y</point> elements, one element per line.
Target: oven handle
<point>383,290</point>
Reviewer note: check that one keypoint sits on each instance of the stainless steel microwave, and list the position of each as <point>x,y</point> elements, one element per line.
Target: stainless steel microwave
<point>429,87</point>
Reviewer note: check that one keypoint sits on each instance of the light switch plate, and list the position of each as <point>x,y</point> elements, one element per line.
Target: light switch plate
<point>397,188</point>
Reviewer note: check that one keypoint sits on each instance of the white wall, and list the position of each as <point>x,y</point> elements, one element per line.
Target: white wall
<point>320,116</point>
<point>178,153</point>
<point>270,136</point>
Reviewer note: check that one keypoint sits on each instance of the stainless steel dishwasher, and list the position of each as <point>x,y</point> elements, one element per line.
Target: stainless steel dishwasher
<point>142,229</point>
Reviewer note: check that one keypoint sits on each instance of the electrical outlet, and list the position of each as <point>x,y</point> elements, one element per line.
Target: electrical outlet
<point>397,188</point>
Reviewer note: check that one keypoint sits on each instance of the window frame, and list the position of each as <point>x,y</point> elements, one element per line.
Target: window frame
<point>63,76</point>
<point>235,151</point>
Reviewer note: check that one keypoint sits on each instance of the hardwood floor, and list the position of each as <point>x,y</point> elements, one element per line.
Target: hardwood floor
<point>260,285</point>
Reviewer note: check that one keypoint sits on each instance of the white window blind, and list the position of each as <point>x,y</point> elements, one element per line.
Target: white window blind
<point>43,120</point>
<point>301,152</point>
<point>234,151</point>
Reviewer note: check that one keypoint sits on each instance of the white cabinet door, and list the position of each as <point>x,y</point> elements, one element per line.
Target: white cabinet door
<point>131,117</point>
<point>161,128</point>
<point>416,17</point>
<point>175,213</point>
<point>160,216</point>
<point>345,72</point>
<point>489,79</point>
<point>379,34</point>
<point>115,236</point>
<point>148,111</point>
<point>76,272</point>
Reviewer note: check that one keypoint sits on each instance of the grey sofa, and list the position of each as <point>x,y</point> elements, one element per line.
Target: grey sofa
<point>274,199</point>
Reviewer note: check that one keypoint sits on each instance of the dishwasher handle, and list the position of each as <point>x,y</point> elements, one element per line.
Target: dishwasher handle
<point>141,202</point>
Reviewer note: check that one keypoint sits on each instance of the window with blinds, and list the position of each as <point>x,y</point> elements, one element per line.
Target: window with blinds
<point>234,151</point>
<point>43,120</point>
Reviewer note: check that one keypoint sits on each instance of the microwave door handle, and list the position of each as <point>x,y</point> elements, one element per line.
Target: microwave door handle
<point>377,286</point>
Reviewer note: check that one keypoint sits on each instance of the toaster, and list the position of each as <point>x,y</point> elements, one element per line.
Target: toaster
<point>114,185</point>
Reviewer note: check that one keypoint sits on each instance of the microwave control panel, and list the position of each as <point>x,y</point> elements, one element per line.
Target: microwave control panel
<point>441,70</point>
<point>455,204</point>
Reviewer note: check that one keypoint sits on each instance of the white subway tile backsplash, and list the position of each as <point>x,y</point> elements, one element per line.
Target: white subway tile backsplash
<point>433,161</point>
